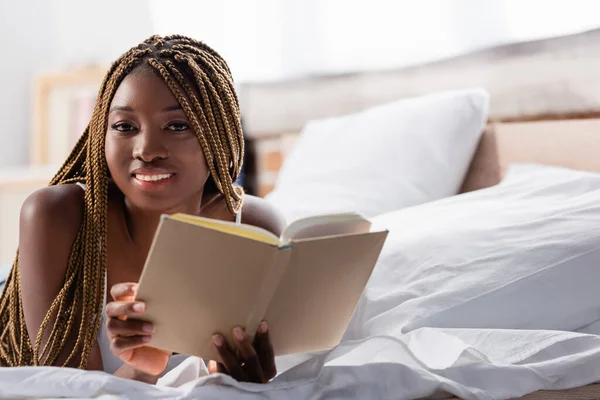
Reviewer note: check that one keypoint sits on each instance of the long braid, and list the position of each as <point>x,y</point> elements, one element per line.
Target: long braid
<point>201,81</point>
<point>215,140</point>
<point>207,73</point>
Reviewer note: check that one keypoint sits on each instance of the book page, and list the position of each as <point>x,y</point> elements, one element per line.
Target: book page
<point>318,293</point>
<point>325,225</point>
<point>249,231</point>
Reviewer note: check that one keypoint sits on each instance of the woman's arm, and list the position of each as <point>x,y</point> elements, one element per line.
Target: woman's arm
<point>49,222</point>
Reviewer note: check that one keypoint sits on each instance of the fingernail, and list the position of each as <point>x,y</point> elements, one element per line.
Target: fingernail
<point>139,307</point>
<point>238,333</point>
<point>263,327</point>
<point>146,339</point>
<point>217,340</point>
<point>148,328</point>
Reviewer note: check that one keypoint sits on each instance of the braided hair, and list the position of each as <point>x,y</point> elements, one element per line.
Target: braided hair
<point>201,82</point>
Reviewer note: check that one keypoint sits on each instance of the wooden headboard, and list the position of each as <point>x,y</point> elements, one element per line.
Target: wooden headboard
<point>570,143</point>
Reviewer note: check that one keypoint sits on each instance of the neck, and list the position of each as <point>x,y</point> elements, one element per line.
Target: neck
<point>142,223</point>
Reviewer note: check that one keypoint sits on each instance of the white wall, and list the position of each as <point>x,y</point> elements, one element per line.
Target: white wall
<point>48,35</point>
<point>272,40</point>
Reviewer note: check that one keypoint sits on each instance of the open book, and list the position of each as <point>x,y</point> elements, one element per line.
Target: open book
<point>204,276</point>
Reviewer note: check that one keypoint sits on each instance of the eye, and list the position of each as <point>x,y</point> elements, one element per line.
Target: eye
<point>123,127</point>
<point>178,126</point>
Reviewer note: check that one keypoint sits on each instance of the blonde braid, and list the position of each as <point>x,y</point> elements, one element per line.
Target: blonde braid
<point>215,118</point>
<point>215,109</point>
<point>215,139</point>
<point>233,134</point>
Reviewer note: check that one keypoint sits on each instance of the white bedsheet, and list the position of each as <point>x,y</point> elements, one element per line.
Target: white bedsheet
<point>472,364</point>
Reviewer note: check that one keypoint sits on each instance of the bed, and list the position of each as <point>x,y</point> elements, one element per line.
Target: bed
<point>569,143</point>
<point>572,143</point>
<point>564,142</point>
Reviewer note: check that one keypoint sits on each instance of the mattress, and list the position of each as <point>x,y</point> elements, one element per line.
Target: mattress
<point>589,392</point>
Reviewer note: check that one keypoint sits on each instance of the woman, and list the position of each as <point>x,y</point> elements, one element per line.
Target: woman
<point>165,137</point>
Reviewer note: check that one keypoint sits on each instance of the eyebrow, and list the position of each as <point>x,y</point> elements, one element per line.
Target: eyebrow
<point>174,107</point>
<point>121,108</point>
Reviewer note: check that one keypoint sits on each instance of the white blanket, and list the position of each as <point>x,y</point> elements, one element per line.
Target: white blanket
<point>471,364</point>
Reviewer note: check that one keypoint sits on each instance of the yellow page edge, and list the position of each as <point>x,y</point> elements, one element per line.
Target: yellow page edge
<point>227,227</point>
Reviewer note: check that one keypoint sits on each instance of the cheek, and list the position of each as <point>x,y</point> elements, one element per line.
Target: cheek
<point>197,163</point>
<point>190,152</point>
<point>114,154</point>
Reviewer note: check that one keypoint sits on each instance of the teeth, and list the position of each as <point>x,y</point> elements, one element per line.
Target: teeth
<point>152,178</point>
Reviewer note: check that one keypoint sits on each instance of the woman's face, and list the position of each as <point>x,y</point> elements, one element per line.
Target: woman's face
<point>152,151</point>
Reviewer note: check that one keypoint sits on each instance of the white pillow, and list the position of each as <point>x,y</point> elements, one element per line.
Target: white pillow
<point>524,254</point>
<point>396,155</point>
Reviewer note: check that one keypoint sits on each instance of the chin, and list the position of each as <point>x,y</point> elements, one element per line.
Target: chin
<point>158,202</point>
<point>154,204</point>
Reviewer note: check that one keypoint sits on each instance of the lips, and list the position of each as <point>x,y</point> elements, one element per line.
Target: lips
<point>152,179</point>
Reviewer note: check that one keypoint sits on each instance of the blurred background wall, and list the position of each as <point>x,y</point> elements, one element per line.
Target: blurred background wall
<point>43,36</point>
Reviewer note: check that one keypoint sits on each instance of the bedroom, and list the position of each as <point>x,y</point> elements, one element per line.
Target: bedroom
<point>465,108</point>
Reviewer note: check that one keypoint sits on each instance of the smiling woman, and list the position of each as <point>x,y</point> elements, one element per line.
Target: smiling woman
<point>165,137</point>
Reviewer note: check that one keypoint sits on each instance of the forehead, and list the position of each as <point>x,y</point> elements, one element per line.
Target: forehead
<point>143,89</point>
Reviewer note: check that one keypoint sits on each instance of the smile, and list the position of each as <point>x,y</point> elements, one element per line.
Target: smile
<point>152,178</point>
<point>153,182</point>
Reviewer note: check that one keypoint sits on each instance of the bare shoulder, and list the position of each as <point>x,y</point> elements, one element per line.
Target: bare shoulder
<point>259,212</point>
<point>62,203</point>
<point>49,222</point>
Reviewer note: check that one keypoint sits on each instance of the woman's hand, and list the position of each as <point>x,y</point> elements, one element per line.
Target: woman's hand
<point>129,336</point>
<point>256,361</point>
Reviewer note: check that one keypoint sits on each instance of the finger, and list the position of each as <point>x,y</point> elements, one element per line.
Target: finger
<point>122,345</point>
<point>230,361</point>
<point>216,367</point>
<point>123,291</point>
<point>116,309</point>
<point>212,367</point>
<point>252,367</point>
<point>264,349</point>
<point>129,327</point>
<point>221,368</point>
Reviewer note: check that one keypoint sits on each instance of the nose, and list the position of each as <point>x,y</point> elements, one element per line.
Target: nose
<point>150,146</point>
